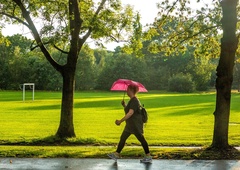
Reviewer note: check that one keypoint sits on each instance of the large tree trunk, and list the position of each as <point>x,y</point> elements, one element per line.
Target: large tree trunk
<point>224,79</point>
<point>66,128</point>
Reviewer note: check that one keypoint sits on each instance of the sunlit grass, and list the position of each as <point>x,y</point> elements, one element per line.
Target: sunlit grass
<point>174,119</point>
<point>86,152</point>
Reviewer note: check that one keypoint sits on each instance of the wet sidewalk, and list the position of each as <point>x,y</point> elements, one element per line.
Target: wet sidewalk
<point>108,164</point>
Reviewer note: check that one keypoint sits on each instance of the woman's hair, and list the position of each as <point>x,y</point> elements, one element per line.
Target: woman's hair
<point>133,88</point>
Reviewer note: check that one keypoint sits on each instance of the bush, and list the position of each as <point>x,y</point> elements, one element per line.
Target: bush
<point>181,83</point>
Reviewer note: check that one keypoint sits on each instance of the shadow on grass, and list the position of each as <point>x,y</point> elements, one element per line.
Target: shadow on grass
<point>111,104</point>
<point>55,141</point>
<point>90,144</point>
<point>48,107</point>
<point>217,154</point>
<point>198,154</point>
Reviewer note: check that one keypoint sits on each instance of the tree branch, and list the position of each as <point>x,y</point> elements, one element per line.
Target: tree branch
<point>62,51</point>
<point>93,19</point>
<point>171,8</point>
<point>194,35</point>
<point>16,18</point>
<point>45,43</point>
<point>26,16</point>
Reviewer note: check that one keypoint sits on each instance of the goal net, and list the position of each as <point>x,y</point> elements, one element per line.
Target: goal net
<point>32,86</point>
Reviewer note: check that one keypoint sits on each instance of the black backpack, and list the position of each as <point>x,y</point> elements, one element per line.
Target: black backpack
<point>144,113</point>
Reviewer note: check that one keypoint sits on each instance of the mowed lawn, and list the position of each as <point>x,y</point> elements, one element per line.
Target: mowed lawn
<point>174,118</point>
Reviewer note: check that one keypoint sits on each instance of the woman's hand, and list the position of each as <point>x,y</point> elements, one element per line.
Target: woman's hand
<point>118,122</point>
<point>127,116</point>
<point>123,103</point>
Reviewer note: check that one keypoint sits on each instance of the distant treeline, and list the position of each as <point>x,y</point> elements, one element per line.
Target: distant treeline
<point>97,69</point>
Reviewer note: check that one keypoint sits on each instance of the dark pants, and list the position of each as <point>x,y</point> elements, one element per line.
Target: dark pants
<point>139,136</point>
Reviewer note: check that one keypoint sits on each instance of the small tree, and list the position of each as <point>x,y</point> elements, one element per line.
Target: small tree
<point>66,25</point>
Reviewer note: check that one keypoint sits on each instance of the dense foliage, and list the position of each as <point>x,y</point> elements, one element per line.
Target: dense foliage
<point>98,68</point>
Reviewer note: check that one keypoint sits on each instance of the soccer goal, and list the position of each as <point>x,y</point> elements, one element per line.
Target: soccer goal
<point>32,86</point>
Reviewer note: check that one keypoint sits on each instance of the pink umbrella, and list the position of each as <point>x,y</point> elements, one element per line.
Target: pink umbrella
<point>122,84</point>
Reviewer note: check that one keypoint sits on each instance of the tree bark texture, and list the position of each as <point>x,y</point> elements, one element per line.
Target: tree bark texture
<point>66,127</point>
<point>224,79</point>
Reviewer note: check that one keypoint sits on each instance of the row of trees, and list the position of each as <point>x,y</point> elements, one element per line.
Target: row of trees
<point>98,68</point>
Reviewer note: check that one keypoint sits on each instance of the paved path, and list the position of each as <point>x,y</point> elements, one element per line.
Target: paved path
<point>107,164</point>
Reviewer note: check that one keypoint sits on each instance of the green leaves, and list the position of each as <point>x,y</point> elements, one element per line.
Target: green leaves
<point>111,21</point>
<point>180,24</point>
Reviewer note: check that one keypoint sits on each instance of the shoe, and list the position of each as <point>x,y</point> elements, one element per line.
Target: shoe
<point>146,159</point>
<point>113,156</point>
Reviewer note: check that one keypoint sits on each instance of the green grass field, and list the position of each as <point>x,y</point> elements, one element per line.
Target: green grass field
<point>174,119</point>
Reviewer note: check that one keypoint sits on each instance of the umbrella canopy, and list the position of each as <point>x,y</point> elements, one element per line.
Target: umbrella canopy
<point>122,84</point>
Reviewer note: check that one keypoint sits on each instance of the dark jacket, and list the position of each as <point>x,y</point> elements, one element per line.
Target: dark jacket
<point>134,124</point>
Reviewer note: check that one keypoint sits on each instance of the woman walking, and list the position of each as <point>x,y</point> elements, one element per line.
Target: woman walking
<point>134,125</point>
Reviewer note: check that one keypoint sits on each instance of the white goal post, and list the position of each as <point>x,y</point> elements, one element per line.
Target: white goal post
<point>32,85</point>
